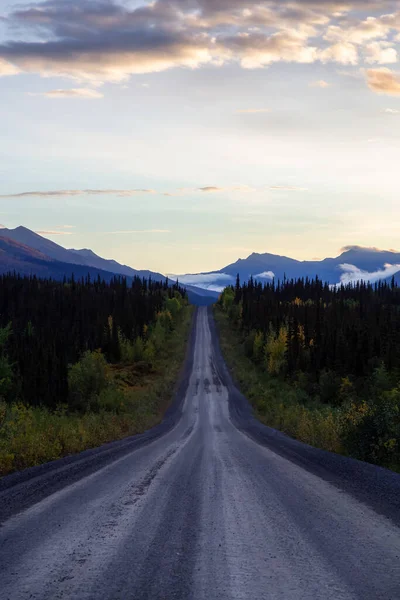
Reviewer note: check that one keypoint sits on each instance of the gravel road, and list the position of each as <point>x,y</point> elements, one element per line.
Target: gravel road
<point>209,505</point>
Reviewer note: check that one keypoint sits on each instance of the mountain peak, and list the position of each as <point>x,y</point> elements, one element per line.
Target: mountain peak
<point>84,252</point>
<point>22,229</point>
<point>365,250</point>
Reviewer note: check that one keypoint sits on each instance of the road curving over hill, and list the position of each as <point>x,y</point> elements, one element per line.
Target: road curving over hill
<point>209,505</point>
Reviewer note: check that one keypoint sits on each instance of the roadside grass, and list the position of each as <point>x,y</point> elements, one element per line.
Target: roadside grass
<point>277,403</point>
<point>135,401</point>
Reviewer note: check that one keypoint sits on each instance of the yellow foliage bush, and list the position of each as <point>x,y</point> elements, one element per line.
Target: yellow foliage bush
<point>275,350</point>
<point>31,436</point>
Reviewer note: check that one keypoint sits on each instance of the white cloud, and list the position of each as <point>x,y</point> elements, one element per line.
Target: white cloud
<point>7,68</point>
<point>380,52</point>
<point>212,287</point>
<point>205,277</point>
<point>208,281</point>
<point>256,50</point>
<point>343,53</point>
<point>209,189</point>
<point>121,232</point>
<point>353,274</point>
<point>392,111</point>
<point>215,281</point>
<point>266,275</point>
<point>84,93</point>
<point>287,188</point>
<point>58,230</point>
<point>54,232</point>
<point>321,83</point>
<point>369,29</point>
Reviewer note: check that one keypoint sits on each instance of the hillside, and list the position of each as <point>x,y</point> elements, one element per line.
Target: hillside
<point>28,253</point>
<point>86,257</point>
<point>354,263</point>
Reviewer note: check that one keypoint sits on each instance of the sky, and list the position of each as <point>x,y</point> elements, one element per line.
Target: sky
<point>181,135</point>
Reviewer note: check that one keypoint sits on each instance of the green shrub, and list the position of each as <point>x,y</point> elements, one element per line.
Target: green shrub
<point>6,372</point>
<point>329,388</point>
<point>138,349</point>
<point>86,380</point>
<point>173,306</point>
<point>371,430</point>
<point>30,436</point>
<point>249,344</point>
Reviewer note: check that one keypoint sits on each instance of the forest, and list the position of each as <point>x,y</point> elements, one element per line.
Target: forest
<point>78,358</point>
<point>335,353</point>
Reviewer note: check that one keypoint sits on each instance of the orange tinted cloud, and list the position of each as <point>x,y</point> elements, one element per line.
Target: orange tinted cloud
<point>383,81</point>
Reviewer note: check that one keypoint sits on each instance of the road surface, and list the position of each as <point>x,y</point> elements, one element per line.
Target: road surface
<point>213,505</point>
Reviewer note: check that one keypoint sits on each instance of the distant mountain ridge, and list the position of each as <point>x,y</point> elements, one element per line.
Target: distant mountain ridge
<point>328,269</point>
<point>79,257</point>
<point>355,263</point>
<point>28,253</point>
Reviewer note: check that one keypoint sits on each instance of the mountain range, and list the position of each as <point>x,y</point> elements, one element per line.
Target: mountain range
<point>28,253</point>
<point>355,263</point>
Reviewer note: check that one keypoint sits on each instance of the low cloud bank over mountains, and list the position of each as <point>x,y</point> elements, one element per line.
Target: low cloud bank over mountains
<point>354,264</point>
<point>28,253</point>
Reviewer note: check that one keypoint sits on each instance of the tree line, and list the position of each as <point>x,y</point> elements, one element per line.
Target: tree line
<point>48,326</point>
<point>338,345</point>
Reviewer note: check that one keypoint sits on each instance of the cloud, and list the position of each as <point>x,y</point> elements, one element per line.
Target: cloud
<point>215,281</point>
<point>7,68</point>
<point>392,111</point>
<point>353,274</point>
<point>321,83</point>
<point>62,193</point>
<point>214,188</point>
<point>353,74</point>
<point>210,188</point>
<point>58,230</point>
<point>266,275</point>
<point>213,288</point>
<point>253,111</point>
<point>54,232</point>
<point>383,81</point>
<point>102,41</point>
<point>85,93</point>
<point>361,248</point>
<point>287,188</point>
<point>208,281</point>
<point>257,49</point>
<point>343,53</point>
<point>369,29</point>
<point>205,277</point>
<point>380,52</point>
<point>105,40</point>
<point>137,231</point>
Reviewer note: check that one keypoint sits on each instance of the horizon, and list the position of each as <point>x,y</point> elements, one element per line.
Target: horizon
<point>178,136</point>
<point>187,275</point>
